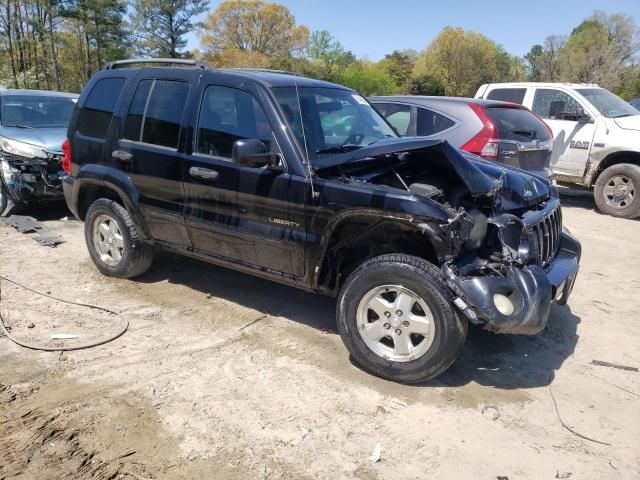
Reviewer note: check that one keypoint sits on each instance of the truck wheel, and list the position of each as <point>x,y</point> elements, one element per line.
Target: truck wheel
<point>114,243</point>
<point>617,191</point>
<point>3,200</point>
<point>395,317</point>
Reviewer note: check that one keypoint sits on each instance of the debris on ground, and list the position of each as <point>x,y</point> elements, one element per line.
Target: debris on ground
<point>43,235</point>
<point>491,412</point>
<point>376,456</point>
<point>614,365</point>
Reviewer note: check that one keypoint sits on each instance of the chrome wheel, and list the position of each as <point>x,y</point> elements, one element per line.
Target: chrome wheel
<point>619,191</point>
<point>108,240</point>
<point>395,323</point>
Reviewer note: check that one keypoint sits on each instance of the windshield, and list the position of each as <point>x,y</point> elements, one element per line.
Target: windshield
<point>608,104</point>
<point>35,111</point>
<point>333,120</point>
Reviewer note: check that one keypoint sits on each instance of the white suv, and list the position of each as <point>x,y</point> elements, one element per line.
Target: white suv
<point>596,138</point>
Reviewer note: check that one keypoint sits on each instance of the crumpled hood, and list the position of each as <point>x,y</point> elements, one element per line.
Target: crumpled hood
<point>514,188</point>
<point>628,123</point>
<point>48,138</point>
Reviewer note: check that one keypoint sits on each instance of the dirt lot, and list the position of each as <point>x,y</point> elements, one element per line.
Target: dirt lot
<point>223,376</point>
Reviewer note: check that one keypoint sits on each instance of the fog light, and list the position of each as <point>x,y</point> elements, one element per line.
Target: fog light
<point>503,304</point>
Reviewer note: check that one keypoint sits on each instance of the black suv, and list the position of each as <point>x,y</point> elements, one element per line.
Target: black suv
<point>302,182</point>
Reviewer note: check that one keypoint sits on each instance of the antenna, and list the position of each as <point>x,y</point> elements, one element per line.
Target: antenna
<point>314,194</point>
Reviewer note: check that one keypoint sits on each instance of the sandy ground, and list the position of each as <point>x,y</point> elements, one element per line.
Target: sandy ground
<point>224,376</point>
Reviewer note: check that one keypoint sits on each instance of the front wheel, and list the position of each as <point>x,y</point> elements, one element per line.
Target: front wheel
<point>114,243</point>
<point>396,319</point>
<point>617,191</point>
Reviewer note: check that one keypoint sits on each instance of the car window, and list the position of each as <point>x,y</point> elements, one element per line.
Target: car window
<point>36,110</point>
<point>155,112</point>
<point>399,116</point>
<point>513,95</point>
<point>554,104</point>
<point>517,124</point>
<point>430,122</point>
<point>226,115</point>
<point>95,116</point>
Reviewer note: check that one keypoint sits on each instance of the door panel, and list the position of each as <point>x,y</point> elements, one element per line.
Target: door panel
<point>149,154</point>
<point>571,140</point>
<point>243,214</point>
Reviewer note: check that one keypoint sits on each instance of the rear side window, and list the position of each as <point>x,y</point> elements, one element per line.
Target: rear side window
<point>226,115</point>
<point>554,104</point>
<point>399,116</point>
<point>94,118</point>
<point>430,122</point>
<point>518,124</point>
<point>513,95</point>
<point>155,112</point>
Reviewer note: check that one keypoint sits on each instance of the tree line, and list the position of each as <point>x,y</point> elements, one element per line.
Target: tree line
<point>59,44</point>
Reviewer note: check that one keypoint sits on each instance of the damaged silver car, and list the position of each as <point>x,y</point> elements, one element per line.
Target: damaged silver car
<point>33,125</point>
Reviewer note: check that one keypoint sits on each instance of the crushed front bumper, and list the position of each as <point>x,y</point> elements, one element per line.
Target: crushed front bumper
<point>530,289</point>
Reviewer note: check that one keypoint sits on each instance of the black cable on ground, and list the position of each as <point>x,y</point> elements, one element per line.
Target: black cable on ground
<point>68,302</point>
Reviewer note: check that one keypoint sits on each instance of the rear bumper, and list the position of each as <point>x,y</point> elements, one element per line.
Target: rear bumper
<point>530,289</point>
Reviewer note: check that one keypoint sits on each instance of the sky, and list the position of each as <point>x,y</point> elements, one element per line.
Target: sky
<point>371,29</point>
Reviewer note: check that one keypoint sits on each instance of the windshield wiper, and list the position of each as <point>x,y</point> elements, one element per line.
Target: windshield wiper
<point>622,115</point>
<point>17,125</point>
<point>339,149</point>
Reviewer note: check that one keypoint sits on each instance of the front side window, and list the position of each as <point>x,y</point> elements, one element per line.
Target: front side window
<point>226,115</point>
<point>95,116</point>
<point>513,95</point>
<point>327,121</point>
<point>430,122</point>
<point>399,116</point>
<point>555,104</point>
<point>155,112</point>
<point>608,104</point>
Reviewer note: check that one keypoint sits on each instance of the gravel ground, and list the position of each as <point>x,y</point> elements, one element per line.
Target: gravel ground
<point>222,375</point>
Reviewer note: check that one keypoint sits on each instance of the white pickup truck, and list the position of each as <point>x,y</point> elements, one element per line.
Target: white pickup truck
<point>596,138</point>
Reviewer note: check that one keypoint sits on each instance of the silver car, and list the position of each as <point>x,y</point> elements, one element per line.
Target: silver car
<point>33,125</point>
<point>499,131</point>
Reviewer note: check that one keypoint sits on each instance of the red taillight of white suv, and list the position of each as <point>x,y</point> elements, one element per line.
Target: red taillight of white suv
<point>66,156</point>
<point>485,143</point>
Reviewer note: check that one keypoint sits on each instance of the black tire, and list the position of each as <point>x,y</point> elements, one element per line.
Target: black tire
<point>4,199</point>
<point>422,278</point>
<point>136,256</point>
<point>621,170</point>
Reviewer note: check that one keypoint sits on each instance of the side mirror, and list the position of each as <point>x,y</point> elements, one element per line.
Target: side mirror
<point>251,152</point>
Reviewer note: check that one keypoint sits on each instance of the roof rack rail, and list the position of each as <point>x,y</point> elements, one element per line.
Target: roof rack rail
<point>163,61</point>
<point>266,70</point>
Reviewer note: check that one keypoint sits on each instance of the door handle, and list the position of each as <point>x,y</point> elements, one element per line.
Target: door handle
<point>122,155</point>
<point>203,173</point>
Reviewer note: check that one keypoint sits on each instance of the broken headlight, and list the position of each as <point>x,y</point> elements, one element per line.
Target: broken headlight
<point>21,149</point>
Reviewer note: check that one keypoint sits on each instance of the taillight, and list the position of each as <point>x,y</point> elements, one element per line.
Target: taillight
<point>485,142</point>
<point>66,156</point>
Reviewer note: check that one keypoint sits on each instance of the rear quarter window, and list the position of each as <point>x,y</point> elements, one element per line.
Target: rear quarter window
<point>95,116</point>
<point>513,95</point>
<point>518,124</point>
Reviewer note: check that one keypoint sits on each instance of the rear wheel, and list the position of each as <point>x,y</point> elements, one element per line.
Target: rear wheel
<point>396,319</point>
<point>3,200</point>
<point>114,243</point>
<point>617,191</point>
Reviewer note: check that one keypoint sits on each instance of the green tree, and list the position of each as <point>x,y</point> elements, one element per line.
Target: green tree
<point>399,64</point>
<point>425,85</point>
<point>462,60</point>
<point>160,26</point>
<point>257,30</point>
<point>368,79</point>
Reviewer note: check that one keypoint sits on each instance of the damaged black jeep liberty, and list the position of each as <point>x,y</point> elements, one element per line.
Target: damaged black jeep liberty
<point>302,182</point>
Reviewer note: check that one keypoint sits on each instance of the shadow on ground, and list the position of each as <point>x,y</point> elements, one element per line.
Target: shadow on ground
<point>500,361</point>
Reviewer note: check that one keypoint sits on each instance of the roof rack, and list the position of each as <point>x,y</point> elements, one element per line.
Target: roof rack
<point>163,61</point>
<point>265,70</point>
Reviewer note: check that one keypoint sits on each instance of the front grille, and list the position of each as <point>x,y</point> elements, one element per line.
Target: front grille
<point>545,236</point>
